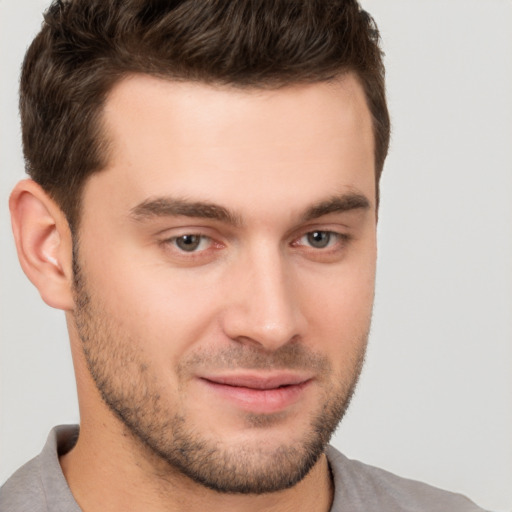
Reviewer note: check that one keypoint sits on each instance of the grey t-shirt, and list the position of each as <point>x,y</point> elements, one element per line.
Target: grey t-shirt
<point>40,486</point>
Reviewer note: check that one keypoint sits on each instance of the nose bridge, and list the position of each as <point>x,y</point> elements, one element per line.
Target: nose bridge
<point>266,309</point>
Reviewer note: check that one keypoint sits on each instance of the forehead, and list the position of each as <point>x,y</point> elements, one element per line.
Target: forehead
<point>223,143</point>
<point>202,113</point>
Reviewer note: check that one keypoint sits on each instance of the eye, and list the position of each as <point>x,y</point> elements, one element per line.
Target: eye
<point>323,245</point>
<point>190,243</point>
<point>320,239</point>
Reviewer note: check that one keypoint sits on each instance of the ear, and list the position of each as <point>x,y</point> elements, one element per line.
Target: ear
<point>43,241</point>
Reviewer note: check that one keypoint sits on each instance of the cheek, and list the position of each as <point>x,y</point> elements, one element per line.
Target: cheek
<point>339,306</point>
<point>343,306</point>
<point>163,311</point>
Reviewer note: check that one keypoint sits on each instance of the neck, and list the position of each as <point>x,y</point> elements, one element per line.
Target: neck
<point>106,472</point>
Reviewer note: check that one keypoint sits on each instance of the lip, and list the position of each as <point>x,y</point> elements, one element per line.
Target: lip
<point>257,393</point>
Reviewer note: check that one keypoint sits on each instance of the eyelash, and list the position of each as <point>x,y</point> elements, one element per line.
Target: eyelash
<point>172,243</point>
<point>334,238</point>
<point>336,241</point>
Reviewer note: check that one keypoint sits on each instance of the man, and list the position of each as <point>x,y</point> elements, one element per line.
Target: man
<point>203,207</point>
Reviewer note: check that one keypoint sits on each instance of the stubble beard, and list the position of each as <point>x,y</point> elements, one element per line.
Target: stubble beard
<point>131,392</point>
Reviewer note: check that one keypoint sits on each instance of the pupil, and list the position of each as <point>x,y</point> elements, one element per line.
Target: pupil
<point>188,242</point>
<point>319,239</point>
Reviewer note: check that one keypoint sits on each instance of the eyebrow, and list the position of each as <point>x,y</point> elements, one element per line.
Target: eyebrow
<point>174,207</point>
<point>337,204</point>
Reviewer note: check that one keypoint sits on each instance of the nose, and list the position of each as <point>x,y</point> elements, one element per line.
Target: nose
<point>263,305</point>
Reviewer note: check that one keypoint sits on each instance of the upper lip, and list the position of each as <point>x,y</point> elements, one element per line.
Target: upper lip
<point>258,381</point>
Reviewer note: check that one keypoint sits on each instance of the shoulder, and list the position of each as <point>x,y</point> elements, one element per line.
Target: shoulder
<point>363,487</point>
<point>39,485</point>
<point>24,490</point>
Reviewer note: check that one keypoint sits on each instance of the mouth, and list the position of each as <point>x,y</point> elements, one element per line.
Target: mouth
<point>256,393</point>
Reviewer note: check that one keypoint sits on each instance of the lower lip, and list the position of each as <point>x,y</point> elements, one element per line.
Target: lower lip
<point>259,401</point>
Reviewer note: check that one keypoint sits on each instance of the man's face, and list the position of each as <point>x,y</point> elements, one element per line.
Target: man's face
<point>225,273</point>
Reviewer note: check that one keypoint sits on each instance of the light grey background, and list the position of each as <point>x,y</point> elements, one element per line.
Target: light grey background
<point>435,400</point>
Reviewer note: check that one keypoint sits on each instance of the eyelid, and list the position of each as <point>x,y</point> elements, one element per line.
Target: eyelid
<point>336,228</point>
<point>214,240</point>
<point>338,236</point>
<point>171,231</point>
<point>202,240</point>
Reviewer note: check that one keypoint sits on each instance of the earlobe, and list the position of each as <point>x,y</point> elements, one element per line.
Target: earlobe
<point>43,241</point>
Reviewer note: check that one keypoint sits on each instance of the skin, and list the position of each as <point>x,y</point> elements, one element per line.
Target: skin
<point>158,329</point>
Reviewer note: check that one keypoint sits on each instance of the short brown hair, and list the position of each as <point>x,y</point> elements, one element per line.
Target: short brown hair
<point>86,46</point>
